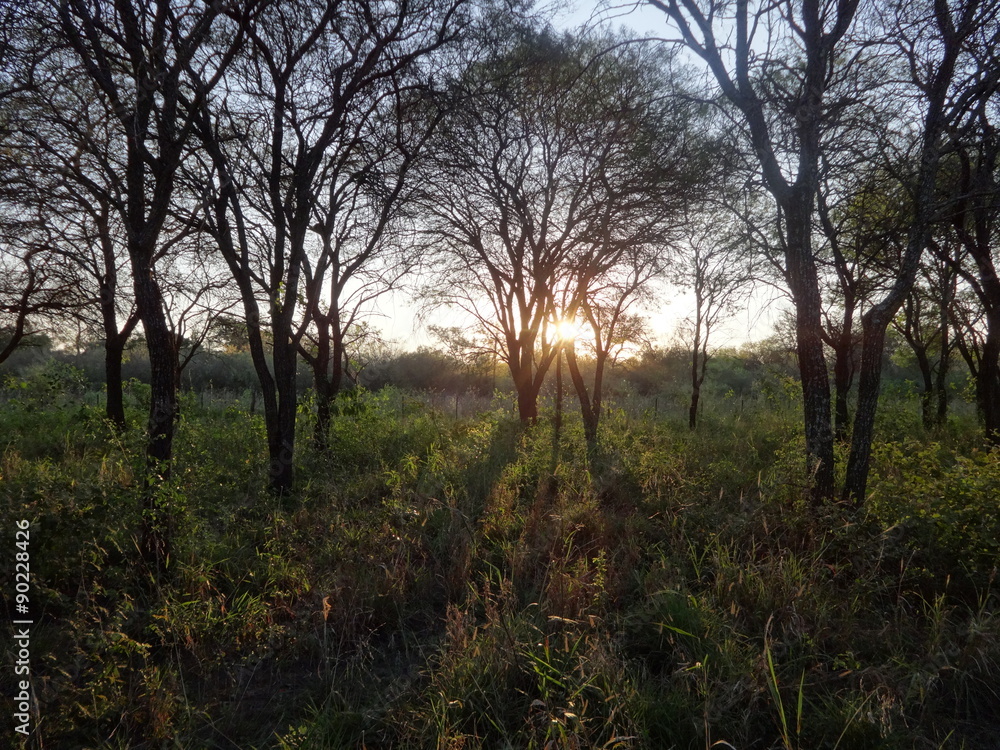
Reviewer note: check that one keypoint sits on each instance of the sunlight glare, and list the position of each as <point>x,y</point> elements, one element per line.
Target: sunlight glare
<point>567,330</point>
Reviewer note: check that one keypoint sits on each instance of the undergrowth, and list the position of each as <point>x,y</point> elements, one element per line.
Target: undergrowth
<point>442,583</point>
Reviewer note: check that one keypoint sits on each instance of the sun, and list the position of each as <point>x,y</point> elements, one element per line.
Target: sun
<point>567,330</point>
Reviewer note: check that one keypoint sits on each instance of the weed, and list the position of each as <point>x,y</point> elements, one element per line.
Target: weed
<point>473,583</point>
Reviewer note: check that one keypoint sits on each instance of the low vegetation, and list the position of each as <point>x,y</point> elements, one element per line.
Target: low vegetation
<point>442,582</point>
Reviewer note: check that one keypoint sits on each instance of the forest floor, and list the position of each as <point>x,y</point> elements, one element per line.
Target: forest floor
<point>436,582</point>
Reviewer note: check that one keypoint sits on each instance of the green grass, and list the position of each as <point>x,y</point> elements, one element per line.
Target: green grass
<point>442,583</point>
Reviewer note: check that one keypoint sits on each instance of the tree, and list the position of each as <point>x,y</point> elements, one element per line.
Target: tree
<point>863,226</point>
<point>151,68</point>
<point>951,53</point>
<point>604,304</point>
<point>564,156</point>
<point>924,323</point>
<point>967,319</point>
<point>974,220</point>
<point>32,283</point>
<point>780,73</point>
<point>68,174</point>
<point>33,288</point>
<point>71,164</point>
<point>195,294</point>
<point>287,155</point>
<point>366,245</point>
<point>717,270</point>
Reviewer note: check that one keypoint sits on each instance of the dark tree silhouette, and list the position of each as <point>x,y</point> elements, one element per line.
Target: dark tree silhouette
<point>563,161</point>
<point>290,165</point>
<point>778,72</point>
<point>148,65</point>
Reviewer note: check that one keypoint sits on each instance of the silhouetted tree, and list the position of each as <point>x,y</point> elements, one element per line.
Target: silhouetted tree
<point>717,269</point>
<point>300,187</point>
<point>778,65</point>
<point>564,157</point>
<point>150,68</point>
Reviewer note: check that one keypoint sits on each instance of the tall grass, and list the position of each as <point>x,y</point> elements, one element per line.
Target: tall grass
<point>471,583</point>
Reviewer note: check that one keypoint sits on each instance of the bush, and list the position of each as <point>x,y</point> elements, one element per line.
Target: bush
<point>439,582</point>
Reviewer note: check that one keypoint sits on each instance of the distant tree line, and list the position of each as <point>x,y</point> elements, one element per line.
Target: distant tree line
<point>655,379</point>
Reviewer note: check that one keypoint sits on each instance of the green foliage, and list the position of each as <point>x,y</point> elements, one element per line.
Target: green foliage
<point>934,502</point>
<point>49,382</point>
<point>448,583</point>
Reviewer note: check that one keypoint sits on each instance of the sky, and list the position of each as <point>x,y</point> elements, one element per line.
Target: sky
<point>400,320</point>
<point>640,17</point>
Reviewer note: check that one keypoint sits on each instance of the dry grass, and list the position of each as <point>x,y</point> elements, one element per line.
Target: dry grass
<point>442,583</point>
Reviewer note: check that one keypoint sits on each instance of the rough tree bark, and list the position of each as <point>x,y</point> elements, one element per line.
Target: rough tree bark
<point>818,30</point>
<point>952,35</point>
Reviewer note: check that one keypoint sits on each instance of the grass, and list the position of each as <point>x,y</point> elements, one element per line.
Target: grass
<point>467,583</point>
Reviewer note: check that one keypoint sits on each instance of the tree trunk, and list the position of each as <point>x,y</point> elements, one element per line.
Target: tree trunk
<point>927,392</point>
<point>557,428</point>
<point>157,524</point>
<point>328,376</point>
<point>525,387</point>
<point>944,362</point>
<point>693,408</point>
<point>115,407</point>
<point>268,389</point>
<point>869,387</point>
<point>816,409</point>
<point>591,415</point>
<point>941,388</point>
<point>114,340</point>
<point>234,246</point>
<point>695,380</point>
<point>804,284</point>
<point>527,404</point>
<point>324,398</point>
<point>281,443</point>
<point>596,398</point>
<point>843,377</point>
<point>320,364</point>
